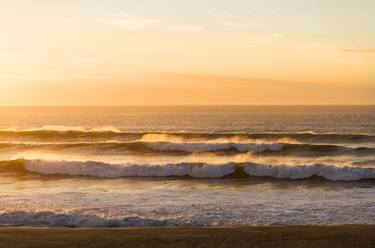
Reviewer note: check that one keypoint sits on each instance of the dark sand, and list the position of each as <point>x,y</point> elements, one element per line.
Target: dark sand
<point>274,236</point>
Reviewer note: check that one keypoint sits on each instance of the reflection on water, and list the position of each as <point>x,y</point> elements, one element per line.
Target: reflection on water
<point>248,165</point>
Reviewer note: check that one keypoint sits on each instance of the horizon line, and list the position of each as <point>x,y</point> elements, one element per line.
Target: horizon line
<point>182,105</point>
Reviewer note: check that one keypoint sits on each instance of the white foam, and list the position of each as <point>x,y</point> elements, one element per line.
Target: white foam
<point>329,172</point>
<point>52,219</point>
<point>210,147</point>
<point>198,170</point>
<point>98,169</point>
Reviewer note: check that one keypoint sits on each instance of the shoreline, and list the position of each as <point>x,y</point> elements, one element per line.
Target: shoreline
<point>252,236</point>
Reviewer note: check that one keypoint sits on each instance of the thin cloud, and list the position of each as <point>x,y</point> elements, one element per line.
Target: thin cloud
<point>58,20</point>
<point>111,14</point>
<point>222,14</point>
<point>358,50</point>
<point>128,21</point>
<point>267,38</point>
<point>186,28</point>
<point>236,21</point>
<point>52,76</point>
<point>242,24</point>
<point>133,24</point>
<point>197,80</point>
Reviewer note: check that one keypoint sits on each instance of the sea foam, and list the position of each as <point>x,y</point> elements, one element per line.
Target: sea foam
<point>329,172</point>
<point>198,170</point>
<point>99,169</point>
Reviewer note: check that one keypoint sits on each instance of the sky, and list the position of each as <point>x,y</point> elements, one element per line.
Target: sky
<point>175,52</point>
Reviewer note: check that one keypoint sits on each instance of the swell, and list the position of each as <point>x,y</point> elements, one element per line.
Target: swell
<point>264,148</point>
<point>114,134</point>
<point>193,170</point>
<point>186,148</point>
<point>152,147</point>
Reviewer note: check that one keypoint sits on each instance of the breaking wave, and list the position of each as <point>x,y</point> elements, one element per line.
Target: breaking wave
<point>329,172</point>
<point>272,148</point>
<point>112,133</point>
<point>170,147</point>
<point>211,147</point>
<point>51,219</point>
<point>194,170</point>
<point>99,169</point>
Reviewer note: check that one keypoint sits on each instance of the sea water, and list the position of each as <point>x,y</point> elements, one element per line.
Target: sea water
<point>187,165</point>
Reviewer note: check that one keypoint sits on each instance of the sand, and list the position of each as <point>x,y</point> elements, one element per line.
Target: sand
<point>273,236</point>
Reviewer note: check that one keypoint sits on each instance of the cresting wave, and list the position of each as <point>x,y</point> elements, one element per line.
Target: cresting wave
<point>155,146</point>
<point>99,169</point>
<point>329,172</point>
<point>111,133</point>
<point>302,149</point>
<point>194,170</point>
<point>211,147</point>
<point>168,147</point>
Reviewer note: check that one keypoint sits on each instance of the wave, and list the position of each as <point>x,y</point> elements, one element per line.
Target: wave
<point>211,147</point>
<point>325,150</point>
<point>265,148</point>
<point>111,133</point>
<point>149,146</point>
<point>193,170</point>
<point>169,147</point>
<point>329,172</point>
<point>63,128</point>
<point>99,169</point>
<point>267,213</point>
<point>52,219</point>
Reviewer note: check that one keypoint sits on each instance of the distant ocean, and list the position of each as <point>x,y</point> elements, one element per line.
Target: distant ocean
<point>187,165</point>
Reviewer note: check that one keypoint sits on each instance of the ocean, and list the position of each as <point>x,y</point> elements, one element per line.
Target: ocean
<point>107,166</point>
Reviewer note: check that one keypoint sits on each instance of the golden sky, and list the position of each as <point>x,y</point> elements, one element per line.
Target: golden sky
<point>87,52</point>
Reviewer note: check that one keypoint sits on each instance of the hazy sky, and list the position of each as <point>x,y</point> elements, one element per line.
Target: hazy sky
<point>187,52</point>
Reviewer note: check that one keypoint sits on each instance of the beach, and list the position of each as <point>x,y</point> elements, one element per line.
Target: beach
<point>270,236</point>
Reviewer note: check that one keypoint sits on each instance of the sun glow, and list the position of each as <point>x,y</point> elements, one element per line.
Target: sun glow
<point>204,52</point>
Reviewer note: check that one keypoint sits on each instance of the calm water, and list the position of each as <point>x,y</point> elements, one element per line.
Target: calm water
<point>142,166</point>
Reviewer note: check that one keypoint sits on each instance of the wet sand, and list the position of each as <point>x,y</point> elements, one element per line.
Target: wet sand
<point>271,236</point>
